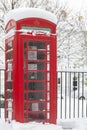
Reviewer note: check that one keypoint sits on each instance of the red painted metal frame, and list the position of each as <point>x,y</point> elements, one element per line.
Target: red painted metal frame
<point>18,68</point>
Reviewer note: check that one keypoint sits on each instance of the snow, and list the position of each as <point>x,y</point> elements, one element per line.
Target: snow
<point>74,124</point>
<point>80,69</point>
<point>27,126</point>
<point>28,32</point>
<point>22,13</point>
<point>68,124</point>
<point>10,33</point>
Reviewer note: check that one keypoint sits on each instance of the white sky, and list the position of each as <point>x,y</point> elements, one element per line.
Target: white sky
<point>76,5</point>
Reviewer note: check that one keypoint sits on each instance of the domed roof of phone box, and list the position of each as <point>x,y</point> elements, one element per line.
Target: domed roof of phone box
<point>22,13</point>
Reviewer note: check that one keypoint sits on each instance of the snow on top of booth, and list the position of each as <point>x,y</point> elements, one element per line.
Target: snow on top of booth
<point>21,13</point>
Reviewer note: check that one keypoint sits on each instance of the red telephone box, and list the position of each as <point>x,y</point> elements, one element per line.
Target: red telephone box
<point>31,78</point>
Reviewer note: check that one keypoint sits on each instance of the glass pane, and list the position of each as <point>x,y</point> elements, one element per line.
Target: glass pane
<point>42,106</point>
<point>9,55</point>
<point>9,45</point>
<point>36,116</point>
<point>32,75</point>
<point>36,66</point>
<point>9,85</point>
<point>32,66</point>
<point>33,106</point>
<point>41,55</point>
<point>9,75</point>
<point>9,65</point>
<point>9,95</point>
<point>36,85</point>
<point>36,75</point>
<point>32,55</point>
<point>36,106</point>
<point>9,103</point>
<point>36,96</point>
<point>37,44</point>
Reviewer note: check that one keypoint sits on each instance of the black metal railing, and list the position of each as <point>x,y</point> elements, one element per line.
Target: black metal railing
<point>72,94</point>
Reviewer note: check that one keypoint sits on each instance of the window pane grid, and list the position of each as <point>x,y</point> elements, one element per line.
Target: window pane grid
<point>9,80</point>
<point>36,80</point>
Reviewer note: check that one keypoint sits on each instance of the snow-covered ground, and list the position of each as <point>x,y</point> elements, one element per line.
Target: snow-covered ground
<point>74,124</point>
<point>70,124</point>
<point>27,126</point>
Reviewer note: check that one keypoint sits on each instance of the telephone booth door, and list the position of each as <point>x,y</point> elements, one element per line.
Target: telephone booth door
<point>36,79</point>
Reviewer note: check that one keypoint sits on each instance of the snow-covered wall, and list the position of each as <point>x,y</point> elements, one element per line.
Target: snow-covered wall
<point>22,13</point>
